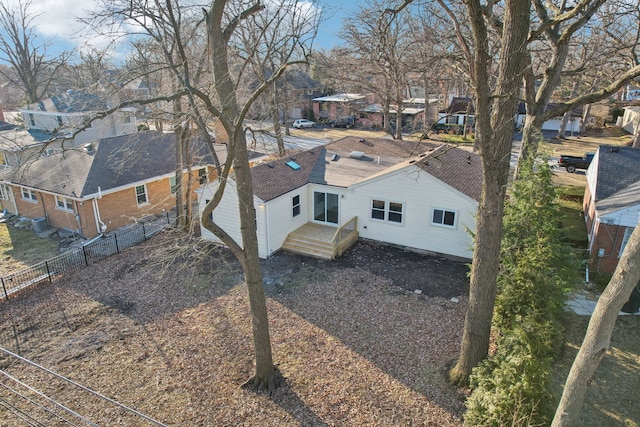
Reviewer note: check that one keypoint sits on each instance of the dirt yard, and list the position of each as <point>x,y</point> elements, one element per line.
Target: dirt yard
<point>361,341</point>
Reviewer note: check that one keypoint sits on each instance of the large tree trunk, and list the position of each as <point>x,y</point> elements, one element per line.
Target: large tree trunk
<point>495,134</point>
<point>598,337</point>
<point>231,118</point>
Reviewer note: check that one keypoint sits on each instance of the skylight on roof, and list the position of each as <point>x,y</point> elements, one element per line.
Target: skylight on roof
<point>293,165</point>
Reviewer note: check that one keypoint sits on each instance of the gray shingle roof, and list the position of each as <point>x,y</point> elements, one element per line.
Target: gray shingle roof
<point>110,163</point>
<point>457,168</point>
<point>618,177</point>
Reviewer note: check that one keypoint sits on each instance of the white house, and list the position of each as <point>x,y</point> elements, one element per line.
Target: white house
<point>554,124</point>
<point>419,196</point>
<point>64,114</point>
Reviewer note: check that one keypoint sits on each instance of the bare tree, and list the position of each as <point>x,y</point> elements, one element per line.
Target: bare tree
<point>569,42</point>
<point>598,336</point>
<point>237,33</point>
<point>31,68</point>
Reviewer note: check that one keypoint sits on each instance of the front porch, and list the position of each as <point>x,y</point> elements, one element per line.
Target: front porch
<point>322,241</point>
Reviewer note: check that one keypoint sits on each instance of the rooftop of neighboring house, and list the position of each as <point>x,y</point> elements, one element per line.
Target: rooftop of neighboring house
<point>618,178</point>
<point>340,97</point>
<point>460,105</point>
<point>107,164</point>
<point>351,160</point>
<point>72,101</point>
<point>15,138</point>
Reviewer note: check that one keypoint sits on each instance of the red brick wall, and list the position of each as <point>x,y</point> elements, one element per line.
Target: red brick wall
<point>116,209</point>
<point>609,238</point>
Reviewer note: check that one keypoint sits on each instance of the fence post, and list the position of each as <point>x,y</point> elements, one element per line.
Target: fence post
<point>6,295</point>
<point>115,239</point>
<point>144,231</point>
<point>86,261</point>
<point>46,264</point>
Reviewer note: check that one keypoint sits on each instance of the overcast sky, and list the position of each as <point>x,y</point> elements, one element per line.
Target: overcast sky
<point>58,19</point>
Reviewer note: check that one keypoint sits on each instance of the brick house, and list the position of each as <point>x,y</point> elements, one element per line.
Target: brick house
<point>103,185</point>
<point>611,204</point>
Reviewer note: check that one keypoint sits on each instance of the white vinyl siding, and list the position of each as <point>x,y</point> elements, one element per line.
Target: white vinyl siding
<point>424,193</point>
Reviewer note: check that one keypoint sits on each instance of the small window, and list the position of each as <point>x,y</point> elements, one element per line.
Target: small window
<point>172,183</point>
<point>4,192</point>
<point>32,120</point>
<point>64,204</point>
<point>141,195</point>
<point>452,119</point>
<point>59,118</point>
<point>296,205</point>
<point>28,194</point>
<point>387,211</point>
<point>206,202</point>
<point>202,176</point>
<point>443,217</point>
<point>128,119</point>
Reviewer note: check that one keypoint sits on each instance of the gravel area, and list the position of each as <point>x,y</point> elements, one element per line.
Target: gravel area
<point>354,341</point>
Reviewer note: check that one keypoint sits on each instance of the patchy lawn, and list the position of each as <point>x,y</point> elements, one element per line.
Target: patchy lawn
<point>613,395</point>
<point>21,248</point>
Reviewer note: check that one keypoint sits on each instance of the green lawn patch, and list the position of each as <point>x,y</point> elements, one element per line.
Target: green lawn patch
<point>21,248</point>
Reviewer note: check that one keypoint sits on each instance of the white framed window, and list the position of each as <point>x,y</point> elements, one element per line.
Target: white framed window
<point>206,202</point>
<point>32,120</point>
<point>141,195</point>
<point>59,118</point>
<point>173,185</point>
<point>4,192</point>
<point>444,218</point>
<point>625,239</point>
<point>202,176</point>
<point>28,195</point>
<point>295,205</point>
<point>384,210</point>
<point>64,203</point>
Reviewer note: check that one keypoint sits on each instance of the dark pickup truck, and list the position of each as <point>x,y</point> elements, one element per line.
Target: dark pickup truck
<point>571,163</point>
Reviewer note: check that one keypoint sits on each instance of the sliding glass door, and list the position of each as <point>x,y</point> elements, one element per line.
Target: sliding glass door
<point>325,207</point>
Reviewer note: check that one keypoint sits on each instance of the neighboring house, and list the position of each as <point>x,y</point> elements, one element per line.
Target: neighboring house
<point>102,185</point>
<point>630,120</point>
<point>611,204</point>
<point>64,114</point>
<point>460,112</point>
<point>419,196</point>
<point>18,145</point>
<point>573,127</point>
<point>339,105</point>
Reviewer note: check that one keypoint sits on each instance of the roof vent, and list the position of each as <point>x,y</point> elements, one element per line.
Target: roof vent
<point>356,154</point>
<point>88,148</point>
<point>334,157</point>
<point>613,149</point>
<point>271,165</point>
<point>362,140</point>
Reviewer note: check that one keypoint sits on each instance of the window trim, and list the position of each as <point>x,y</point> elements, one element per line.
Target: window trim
<point>173,185</point>
<point>625,239</point>
<point>5,192</point>
<point>145,193</point>
<point>444,212</point>
<point>32,196</point>
<point>387,212</point>
<point>62,203</point>
<point>296,208</point>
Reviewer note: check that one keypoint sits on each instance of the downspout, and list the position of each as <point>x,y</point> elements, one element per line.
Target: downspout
<point>96,213</point>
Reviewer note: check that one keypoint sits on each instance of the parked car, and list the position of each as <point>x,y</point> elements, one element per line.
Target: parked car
<point>303,123</point>
<point>343,122</point>
<point>571,163</point>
